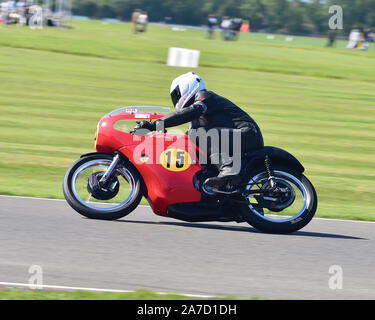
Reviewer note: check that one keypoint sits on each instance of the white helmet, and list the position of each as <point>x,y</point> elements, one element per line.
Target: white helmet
<point>184,88</point>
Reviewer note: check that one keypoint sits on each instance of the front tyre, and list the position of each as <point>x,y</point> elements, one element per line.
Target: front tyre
<point>127,186</point>
<point>298,212</point>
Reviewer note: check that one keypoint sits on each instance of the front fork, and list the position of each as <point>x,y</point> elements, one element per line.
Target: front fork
<point>110,171</point>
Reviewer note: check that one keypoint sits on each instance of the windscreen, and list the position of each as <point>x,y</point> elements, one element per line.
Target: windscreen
<point>141,109</point>
<point>138,113</point>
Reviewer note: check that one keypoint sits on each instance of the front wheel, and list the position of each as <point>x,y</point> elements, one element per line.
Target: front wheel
<point>119,199</point>
<point>290,212</point>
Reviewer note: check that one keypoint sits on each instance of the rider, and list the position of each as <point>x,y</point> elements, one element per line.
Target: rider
<point>205,109</point>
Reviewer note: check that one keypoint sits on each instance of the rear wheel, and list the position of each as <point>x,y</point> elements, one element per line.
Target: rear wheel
<point>118,199</point>
<point>278,213</point>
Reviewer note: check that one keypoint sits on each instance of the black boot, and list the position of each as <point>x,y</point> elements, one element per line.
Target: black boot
<point>227,179</point>
<point>226,183</point>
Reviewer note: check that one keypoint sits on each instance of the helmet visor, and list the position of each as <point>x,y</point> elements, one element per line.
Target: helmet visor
<point>176,95</point>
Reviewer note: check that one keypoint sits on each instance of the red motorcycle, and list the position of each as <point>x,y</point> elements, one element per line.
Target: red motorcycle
<point>164,168</point>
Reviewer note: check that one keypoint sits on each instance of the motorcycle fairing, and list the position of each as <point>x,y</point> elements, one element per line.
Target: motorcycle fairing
<point>165,185</point>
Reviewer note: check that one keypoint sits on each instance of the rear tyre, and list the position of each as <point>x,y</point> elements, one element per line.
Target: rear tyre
<point>293,221</point>
<point>78,196</point>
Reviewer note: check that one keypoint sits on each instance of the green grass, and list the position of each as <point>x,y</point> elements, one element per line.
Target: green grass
<point>318,103</point>
<point>17,294</point>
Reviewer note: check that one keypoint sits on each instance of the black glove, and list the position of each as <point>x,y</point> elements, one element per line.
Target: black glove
<point>150,126</point>
<point>143,128</point>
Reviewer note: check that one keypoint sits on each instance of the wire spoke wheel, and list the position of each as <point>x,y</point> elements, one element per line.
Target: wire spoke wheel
<point>287,207</point>
<point>119,197</point>
<point>296,199</point>
<point>124,179</point>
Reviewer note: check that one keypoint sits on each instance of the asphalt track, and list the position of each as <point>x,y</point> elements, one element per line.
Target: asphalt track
<point>165,255</point>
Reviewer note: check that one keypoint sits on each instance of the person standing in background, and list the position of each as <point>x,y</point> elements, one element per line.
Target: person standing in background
<point>4,13</point>
<point>135,16</point>
<point>211,24</point>
<point>21,10</point>
<point>367,39</point>
<point>236,27</point>
<point>142,22</point>
<point>226,26</point>
<point>331,38</point>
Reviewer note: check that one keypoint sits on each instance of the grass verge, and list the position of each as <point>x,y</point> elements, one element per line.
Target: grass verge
<point>17,294</point>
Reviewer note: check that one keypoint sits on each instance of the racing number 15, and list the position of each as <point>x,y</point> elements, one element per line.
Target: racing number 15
<point>175,160</point>
<point>180,159</point>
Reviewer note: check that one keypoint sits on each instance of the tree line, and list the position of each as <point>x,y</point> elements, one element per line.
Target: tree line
<point>281,16</point>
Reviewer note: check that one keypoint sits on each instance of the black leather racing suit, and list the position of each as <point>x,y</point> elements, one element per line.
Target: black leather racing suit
<point>213,112</point>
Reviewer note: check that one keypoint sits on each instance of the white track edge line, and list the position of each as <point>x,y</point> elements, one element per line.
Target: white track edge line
<point>38,287</point>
